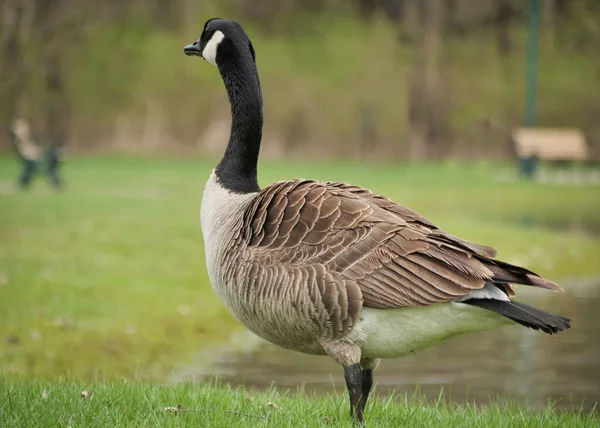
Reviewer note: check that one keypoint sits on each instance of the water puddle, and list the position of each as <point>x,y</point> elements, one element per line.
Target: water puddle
<point>583,226</point>
<point>524,365</point>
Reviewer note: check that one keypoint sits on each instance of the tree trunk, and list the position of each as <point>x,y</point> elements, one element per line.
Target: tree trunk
<point>549,21</point>
<point>13,74</point>
<point>504,15</point>
<point>56,106</point>
<point>54,26</point>
<point>425,112</point>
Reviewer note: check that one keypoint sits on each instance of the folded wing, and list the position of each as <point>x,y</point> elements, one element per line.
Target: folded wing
<point>395,256</point>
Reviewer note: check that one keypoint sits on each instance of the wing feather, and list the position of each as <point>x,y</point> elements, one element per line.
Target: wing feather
<point>385,255</point>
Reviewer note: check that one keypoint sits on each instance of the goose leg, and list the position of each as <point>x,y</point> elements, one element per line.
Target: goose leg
<point>354,377</point>
<point>368,366</point>
<point>367,384</point>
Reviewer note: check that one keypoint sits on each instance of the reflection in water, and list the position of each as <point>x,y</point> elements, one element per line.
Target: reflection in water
<point>517,363</point>
<point>585,226</point>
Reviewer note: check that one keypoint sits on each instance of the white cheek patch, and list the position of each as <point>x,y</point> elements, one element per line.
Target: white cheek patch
<point>210,49</point>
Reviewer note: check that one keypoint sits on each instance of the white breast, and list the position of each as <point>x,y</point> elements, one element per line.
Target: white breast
<point>220,217</point>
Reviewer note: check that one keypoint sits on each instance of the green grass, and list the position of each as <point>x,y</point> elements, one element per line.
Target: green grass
<point>49,404</point>
<point>107,278</point>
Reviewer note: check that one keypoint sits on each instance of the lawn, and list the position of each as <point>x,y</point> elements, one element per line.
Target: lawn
<point>116,404</point>
<point>106,279</point>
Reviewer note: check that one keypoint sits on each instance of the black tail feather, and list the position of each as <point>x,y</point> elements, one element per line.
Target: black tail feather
<point>524,314</point>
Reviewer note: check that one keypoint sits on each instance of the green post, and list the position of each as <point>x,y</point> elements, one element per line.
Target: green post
<point>528,165</point>
<point>532,63</point>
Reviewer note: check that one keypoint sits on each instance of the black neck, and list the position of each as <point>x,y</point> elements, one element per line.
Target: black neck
<point>237,169</point>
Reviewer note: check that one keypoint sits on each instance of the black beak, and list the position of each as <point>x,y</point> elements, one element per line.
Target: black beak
<point>193,49</point>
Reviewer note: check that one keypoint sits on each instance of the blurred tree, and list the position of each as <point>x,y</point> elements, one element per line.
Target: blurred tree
<point>88,68</point>
<point>505,14</point>
<point>53,26</point>
<point>393,10</point>
<point>16,26</point>
<point>427,122</point>
<point>56,23</point>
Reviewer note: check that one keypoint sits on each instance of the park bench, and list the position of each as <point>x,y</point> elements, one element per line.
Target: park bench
<point>33,157</point>
<point>556,146</point>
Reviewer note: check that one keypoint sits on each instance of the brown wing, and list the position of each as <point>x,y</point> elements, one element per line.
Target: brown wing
<point>395,256</point>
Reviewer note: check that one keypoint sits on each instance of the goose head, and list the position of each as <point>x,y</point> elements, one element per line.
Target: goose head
<point>221,40</point>
<point>225,44</point>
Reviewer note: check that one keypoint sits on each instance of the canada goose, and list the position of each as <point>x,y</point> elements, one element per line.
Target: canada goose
<point>333,269</point>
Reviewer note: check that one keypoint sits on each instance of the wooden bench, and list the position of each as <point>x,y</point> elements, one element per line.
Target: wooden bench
<point>33,157</point>
<point>551,144</point>
<point>554,145</point>
<point>22,141</point>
